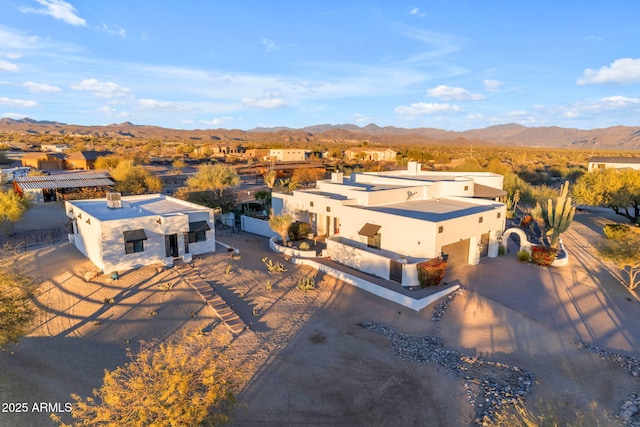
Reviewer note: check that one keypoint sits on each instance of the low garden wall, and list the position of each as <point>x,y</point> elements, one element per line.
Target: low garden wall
<point>290,251</point>
<point>256,226</point>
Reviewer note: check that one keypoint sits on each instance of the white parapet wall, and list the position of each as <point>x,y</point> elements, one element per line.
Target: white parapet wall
<point>382,292</point>
<point>256,226</point>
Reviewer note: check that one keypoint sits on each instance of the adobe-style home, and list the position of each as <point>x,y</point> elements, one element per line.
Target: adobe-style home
<point>44,161</point>
<point>366,153</point>
<point>596,163</point>
<point>384,223</point>
<point>120,233</point>
<point>84,160</point>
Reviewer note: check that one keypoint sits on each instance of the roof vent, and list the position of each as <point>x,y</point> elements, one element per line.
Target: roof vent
<point>114,200</point>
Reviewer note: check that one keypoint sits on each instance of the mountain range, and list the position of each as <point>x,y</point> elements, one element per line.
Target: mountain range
<point>614,138</point>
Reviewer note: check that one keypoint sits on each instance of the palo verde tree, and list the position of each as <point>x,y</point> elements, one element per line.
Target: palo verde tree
<point>186,383</point>
<point>16,306</point>
<point>280,224</point>
<point>12,208</point>
<point>558,216</point>
<point>612,188</point>
<point>623,250</point>
<point>214,178</point>
<point>133,179</point>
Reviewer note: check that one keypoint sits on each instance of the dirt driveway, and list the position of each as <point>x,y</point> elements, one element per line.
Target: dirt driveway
<point>309,361</point>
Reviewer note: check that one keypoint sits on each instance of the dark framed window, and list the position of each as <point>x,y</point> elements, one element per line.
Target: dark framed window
<point>197,236</point>
<point>134,241</point>
<point>134,246</point>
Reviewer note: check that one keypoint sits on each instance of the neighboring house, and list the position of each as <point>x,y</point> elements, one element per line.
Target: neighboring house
<point>121,233</point>
<point>84,160</point>
<point>288,154</point>
<point>257,153</point>
<point>365,153</point>
<point>48,188</point>
<point>56,148</point>
<point>8,175</point>
<point>383,223</point>
<point>44,161</point>
<point>614,163</point>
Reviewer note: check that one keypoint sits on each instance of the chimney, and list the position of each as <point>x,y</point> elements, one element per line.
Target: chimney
<point>413,168</point>
<point>337,177</point>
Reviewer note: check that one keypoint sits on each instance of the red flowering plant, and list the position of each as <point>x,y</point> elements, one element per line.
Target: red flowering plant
<point>543,255</point>
<point>431,272</point>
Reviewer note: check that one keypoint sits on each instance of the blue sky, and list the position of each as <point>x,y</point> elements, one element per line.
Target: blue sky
<point>210,64</point>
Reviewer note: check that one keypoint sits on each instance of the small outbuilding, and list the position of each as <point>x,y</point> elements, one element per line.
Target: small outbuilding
<point>49,188</point>
<point>120,233</point>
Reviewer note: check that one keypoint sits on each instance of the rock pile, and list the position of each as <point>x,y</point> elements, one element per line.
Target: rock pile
<point>489,384</point>
<point>440,309</point>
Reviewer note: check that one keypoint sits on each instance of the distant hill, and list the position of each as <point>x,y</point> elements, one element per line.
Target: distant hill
<point>616,137</point>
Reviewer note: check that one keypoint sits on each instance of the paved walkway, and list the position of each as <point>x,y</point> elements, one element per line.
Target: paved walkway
<point>583,301</point>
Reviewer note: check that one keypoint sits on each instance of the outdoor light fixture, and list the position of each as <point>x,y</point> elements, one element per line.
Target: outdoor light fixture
<point>159,220</point>
<point>88,220</point>
<point>80,215</point>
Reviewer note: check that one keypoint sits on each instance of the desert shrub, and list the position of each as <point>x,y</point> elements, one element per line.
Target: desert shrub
<point>304,246</point>
<point>615,231</point>
<point>298,230</point>
<point>524,256</point>
<point>543,255</point>
<point>307,283</point>
<point>431,272</point>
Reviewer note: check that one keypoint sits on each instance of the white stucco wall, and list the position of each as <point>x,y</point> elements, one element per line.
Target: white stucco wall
<point>103,241</point>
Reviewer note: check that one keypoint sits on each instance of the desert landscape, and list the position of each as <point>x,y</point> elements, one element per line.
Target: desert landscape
<point>308,357</point>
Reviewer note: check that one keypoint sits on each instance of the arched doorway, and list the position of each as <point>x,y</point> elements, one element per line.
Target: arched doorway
<point>525,245</point>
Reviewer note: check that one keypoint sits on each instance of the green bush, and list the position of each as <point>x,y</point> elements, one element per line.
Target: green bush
<point>502,250</point>
<point>524,256</point>
<point>304,246</point>
<point>431,272</point>
<point>298,230</point>
<point>615,231</point>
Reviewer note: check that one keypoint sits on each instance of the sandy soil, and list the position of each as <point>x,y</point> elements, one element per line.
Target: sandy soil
<point>309,363</point>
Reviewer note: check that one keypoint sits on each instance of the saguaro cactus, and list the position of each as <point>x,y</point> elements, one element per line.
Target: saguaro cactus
<point>558,217</point>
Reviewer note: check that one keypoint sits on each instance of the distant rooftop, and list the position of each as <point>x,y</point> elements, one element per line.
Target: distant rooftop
<point>433,210</point>
<point>136,207</point>
<point>614,160</point>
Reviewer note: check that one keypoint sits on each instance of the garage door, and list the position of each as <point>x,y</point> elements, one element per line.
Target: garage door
<point>458,253</point>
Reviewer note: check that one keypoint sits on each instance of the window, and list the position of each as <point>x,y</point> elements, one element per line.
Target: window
<point>198,231</point>
<point>328,208</point>
<point>134,241</point>
<point>374,241</point>
<point>134,246</point>
<point>197,236</point>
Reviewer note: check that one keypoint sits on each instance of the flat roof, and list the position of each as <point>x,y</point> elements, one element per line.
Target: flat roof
<point>135,207</point>
<point>614,160</point>
<point>434,210</point>
<point>52,182</point>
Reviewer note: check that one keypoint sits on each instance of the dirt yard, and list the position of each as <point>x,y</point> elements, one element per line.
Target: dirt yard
<point>309,362</point>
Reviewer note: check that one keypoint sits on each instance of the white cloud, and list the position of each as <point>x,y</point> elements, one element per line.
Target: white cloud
<point>625,70</point>
<point>154,104</point>
<point>475,116</point>
<point>116,30</point>
<point>112,112</point>
<point>269,45</point>
<point>15,116</point>
<point>58,9</point>
<point>417,12</point>
<point>517,113</point>
<point>101,89</point>
<point>361,118</point>
<point>21,103</point>
<point>421,108</point>
<point>12,55</point>
<point>41,87</point>
<point>492,85</point>
<point>8,66</point>
<point>619,101</point>
<point>217,121</point>
<point>448,93</point>
<point>266,103</point>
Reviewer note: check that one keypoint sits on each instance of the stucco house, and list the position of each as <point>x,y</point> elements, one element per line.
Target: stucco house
<point>384,223</point>
<point>84,160</point>
<point>120,233</point>
<point>596,163</point>
<point>44,161</point>
<point>288,154</point>
<point>365,153</point>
